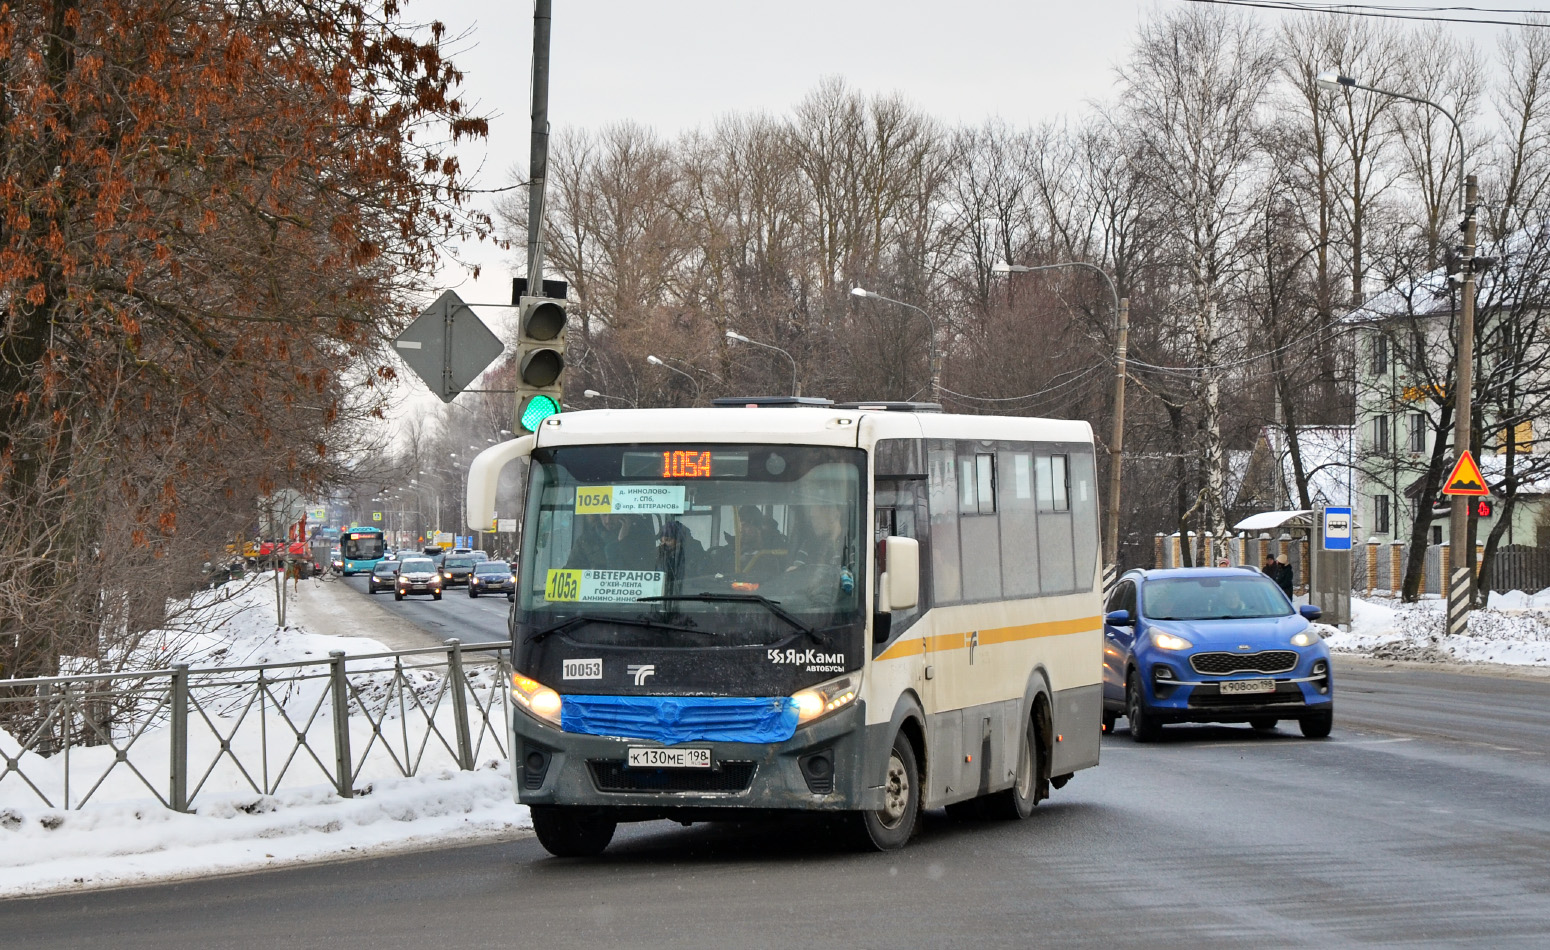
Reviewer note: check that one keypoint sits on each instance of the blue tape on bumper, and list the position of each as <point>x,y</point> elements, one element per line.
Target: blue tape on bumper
<point>673,719</point>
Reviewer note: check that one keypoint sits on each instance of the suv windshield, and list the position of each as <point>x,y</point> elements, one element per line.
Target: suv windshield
<point>457,563</point>
<point>1213,598</point>
<point>492,567</point>
<point>385,568</point>
<point>417,565</point>
<point>642,532</point>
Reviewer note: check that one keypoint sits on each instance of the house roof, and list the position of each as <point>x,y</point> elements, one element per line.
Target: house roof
<point>1523,252</point>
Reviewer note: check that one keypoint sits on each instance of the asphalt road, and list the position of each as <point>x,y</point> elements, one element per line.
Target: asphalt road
<point>1424,821</point>
<point>470,619</point>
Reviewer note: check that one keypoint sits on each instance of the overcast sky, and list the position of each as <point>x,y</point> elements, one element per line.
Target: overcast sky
<point>674,66</point>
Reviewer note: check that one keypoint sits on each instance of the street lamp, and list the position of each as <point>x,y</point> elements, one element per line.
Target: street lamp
<point>1460,599</point>
<point>796,385</point>
<point>654,361</point>
<point>931,353</point>
<point>594,394</point>
<point>1117,440</point>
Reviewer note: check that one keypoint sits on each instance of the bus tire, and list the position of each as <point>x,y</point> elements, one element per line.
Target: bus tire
<point>568,832</point>
<point>890,828</point>
<point>1032,783</point>
<point>1318,725</point>
<point>1143,728</point>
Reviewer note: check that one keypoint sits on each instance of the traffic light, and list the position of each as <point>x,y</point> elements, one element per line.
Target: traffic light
<point>540,359</point>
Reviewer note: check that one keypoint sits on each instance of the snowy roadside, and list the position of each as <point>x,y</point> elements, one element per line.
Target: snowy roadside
<point>124,836</point>
<point>1513,630</point>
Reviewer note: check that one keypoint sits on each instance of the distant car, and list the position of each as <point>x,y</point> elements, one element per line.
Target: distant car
<point>437,558</point>
<point>383,577</point>
<point>1212,645</point>
<point>491,577</point>
<point>336,560</point>
<point>456,570</point>
<point>417,575</point>
<point>478,556</point>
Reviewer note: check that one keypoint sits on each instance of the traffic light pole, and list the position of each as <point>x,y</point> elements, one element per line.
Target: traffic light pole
<point>1462,566</point>
<point>538,154</point>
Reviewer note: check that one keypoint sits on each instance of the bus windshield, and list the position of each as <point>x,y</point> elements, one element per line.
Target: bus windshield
<point>740,542</point>
<point>362,545</point>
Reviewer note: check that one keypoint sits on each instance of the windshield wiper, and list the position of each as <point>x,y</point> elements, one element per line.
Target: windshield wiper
<point>771,605</point>
<point>580,619</point>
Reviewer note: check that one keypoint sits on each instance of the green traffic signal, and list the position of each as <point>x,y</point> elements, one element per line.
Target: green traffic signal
<point>536,410</point>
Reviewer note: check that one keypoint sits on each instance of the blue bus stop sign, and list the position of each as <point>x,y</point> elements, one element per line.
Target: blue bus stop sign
<point>1337,529</point>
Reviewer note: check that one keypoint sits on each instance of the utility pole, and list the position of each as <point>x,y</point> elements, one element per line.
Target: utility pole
<point>1462,564</point>
<point>1117,445</point>
<point>538,154</point>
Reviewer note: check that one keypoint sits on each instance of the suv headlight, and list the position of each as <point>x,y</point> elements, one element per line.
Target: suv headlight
<point>536,698</point>
<point>1307,638</point>
<point>817,701</point>
<point>1167,641</point>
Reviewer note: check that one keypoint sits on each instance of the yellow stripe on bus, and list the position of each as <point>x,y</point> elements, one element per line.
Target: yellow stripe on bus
<point>941,643</point>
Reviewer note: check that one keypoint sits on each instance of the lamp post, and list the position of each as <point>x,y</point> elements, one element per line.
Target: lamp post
<point>796,384</point>
<point>931,352</point>
<point>1117,439</point>
<point>655,361</point>
<point>594,394</point>
<point>1460,594</point>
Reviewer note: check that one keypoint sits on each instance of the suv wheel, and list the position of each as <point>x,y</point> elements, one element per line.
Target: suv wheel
<point>1143,728</point>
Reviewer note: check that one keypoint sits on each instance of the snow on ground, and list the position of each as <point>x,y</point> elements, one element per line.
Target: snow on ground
<point>1513,629</point>
<point>124,835</point>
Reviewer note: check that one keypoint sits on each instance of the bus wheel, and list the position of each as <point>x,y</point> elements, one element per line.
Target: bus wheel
<point>1032,784</point>
<point>1318,725</point>
<point>891,827</point>
<point>571,832</point>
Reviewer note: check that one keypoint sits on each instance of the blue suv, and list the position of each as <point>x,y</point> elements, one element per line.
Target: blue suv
<point>1212,645</point>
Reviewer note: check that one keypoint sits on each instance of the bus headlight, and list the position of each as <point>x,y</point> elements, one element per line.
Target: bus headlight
<point>1307,638</point>
<point>825,698</point>
<point>536,698</point>
<point>1167,641</point>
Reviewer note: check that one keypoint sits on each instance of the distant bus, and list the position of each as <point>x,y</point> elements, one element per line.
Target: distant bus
<point>866,610</point>
<point>361,549</point>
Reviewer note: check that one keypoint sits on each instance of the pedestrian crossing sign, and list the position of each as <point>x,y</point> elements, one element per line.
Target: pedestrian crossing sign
<point>1466,478</point>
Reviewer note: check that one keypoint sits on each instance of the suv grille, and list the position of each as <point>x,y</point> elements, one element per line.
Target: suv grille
<point>1221,664</point>
<point>611,775</point>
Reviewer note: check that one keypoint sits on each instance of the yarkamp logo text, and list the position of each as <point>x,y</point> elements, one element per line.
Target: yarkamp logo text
<point>811,660</point>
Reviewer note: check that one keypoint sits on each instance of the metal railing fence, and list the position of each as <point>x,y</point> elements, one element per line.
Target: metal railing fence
<point>181,733</point>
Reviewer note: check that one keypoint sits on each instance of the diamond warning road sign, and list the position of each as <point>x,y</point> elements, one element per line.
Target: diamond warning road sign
<point>448,346</point>
<point>1465,479</point>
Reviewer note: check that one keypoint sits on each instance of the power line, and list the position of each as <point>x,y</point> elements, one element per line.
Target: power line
<point>1367,10</point>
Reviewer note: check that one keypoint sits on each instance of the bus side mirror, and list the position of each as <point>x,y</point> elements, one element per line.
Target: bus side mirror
<point>901,582</point>
<point>483,474</point>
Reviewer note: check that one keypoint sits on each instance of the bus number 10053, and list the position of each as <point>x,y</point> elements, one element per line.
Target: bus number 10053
<point>683,464</point>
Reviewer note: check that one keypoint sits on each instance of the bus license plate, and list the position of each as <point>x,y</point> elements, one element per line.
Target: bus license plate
<point>642,757</point>
<point>1249,686</point>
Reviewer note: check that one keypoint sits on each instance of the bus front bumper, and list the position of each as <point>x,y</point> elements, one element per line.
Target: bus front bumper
<point>820,768</point>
